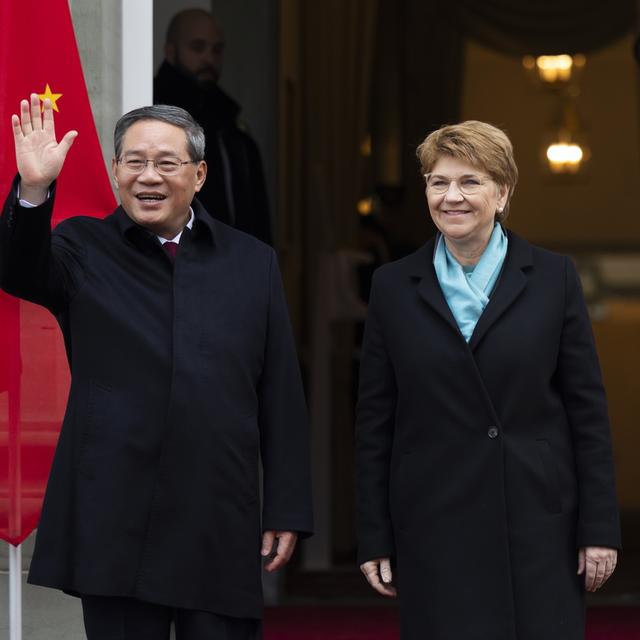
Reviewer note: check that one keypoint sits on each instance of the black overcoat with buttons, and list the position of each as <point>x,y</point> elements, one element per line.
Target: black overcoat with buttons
<point>182,379</point>
<point>482,467</point>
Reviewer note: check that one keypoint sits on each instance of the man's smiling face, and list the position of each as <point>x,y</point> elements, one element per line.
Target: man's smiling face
<point>157,202</point>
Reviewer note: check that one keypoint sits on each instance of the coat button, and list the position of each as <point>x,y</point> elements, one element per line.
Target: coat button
<point>492,432</point>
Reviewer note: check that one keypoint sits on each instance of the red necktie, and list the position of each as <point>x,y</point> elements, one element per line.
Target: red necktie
<point>172,249</point>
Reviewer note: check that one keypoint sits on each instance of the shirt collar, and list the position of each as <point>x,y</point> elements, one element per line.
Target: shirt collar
<point>200,222</point>
<point>177,238</point>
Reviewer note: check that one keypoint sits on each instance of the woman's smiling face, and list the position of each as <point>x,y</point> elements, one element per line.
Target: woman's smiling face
<point>463,218</point>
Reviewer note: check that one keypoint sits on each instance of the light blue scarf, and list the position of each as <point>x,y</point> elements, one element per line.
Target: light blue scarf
<point>467,290</point>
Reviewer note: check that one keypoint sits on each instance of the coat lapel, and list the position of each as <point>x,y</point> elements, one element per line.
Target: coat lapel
<point>511,283</point>
<point>428,287</point>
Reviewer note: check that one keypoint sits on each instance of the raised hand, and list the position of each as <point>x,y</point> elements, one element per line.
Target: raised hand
<point>38,154</point>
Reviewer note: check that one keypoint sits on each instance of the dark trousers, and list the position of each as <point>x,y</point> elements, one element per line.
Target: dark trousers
<point>128,619</point>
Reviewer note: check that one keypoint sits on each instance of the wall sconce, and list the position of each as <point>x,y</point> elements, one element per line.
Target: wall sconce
<point>564,157</point>
<point>565,149</point>
<point>366,146</point>
<point>365,206</point>
<point>554,71</point>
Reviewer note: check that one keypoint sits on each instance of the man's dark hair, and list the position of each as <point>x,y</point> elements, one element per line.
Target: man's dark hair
<point>165,113</point>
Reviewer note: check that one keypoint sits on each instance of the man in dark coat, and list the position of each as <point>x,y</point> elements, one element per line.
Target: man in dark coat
<point>184,375</point>
<point>235,191</point>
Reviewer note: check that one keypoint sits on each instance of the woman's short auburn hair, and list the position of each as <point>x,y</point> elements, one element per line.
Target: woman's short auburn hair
<point>478,143</point>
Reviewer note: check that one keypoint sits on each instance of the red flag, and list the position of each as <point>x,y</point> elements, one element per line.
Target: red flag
<point>38,54</point>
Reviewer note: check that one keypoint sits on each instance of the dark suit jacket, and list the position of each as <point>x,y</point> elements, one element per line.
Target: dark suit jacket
<point>483,467</point>
<point>182,378</point>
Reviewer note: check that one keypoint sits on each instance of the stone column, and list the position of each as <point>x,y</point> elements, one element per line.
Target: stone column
<point>98,28</point>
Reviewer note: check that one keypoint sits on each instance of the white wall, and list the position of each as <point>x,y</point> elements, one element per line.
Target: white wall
<point>137,52</point>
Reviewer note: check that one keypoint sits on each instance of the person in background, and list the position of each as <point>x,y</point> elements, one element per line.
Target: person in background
<point>235,191</point>
<point>485,481</point>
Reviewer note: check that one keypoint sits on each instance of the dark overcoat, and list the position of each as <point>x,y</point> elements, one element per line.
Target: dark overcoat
<point>482,467</point>
<point>182,378</point>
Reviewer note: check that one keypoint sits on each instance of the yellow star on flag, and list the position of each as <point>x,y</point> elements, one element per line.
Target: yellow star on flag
<point>54,97</point>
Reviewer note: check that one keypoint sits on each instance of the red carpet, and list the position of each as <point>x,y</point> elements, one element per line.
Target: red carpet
<point>613,623</point>
<point>381,623</point>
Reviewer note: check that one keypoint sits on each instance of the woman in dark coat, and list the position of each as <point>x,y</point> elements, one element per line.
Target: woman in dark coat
<point>485,480</point>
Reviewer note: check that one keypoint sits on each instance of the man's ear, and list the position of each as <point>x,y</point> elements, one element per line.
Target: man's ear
<point>170,52</point>
<point>114,166</point>
<point>201,174</point>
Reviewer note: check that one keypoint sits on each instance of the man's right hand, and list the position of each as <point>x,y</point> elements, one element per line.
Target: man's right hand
<point>379,576</point>
<point>38,155</point>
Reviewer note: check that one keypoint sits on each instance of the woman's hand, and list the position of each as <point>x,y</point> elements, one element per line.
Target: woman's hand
<point>597,563</point>
<point>38,155</point>
<point>379,576</point>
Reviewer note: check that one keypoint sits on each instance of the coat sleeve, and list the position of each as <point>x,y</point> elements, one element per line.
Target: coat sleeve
<point>586,406</point>
<point>35,264</point>
<point>284,431</point>
<point>377,397</point>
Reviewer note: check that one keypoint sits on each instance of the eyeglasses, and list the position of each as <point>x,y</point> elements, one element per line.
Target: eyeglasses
<point>164,166</point>
<point>467,185</point>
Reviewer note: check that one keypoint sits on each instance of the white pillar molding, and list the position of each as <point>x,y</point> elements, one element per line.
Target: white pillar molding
<point>137,54</point>
<point>15,593</point>
<point>98,33</point>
